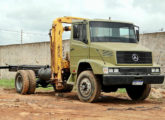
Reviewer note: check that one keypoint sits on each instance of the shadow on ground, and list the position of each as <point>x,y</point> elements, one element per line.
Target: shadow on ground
<point>117,98</point>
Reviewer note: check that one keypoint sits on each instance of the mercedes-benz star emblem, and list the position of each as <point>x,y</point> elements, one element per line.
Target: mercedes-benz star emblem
<point>135,57</point>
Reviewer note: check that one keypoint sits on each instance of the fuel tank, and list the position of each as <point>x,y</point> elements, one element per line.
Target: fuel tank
<point>44,74</point>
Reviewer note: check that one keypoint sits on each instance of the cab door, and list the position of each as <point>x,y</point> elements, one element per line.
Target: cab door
<point>79,48</point>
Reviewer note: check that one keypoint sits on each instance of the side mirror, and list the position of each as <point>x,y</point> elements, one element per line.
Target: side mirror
<point>137,34</point>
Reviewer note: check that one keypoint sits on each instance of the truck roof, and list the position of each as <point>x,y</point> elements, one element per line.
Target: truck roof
<point>103,20</point>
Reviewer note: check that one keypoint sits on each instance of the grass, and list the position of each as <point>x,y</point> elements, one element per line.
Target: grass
<point>10,84</point>
<point>45,89</point>
<point>121,90</point>
<point>7,83</point>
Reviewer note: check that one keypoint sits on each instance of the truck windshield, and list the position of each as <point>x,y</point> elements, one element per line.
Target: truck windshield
<point>112,32</point>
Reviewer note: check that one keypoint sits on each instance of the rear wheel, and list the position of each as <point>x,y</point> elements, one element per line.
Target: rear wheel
<point>88,87</point>
<point>32,81</point>
<point>22,82</point>
<point>138,92</point>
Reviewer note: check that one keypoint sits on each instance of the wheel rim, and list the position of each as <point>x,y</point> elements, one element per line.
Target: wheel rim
<point>85,87</point>
<point>19,82</point>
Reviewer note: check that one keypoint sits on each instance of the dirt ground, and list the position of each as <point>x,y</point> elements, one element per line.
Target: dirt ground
<point>51,106</point>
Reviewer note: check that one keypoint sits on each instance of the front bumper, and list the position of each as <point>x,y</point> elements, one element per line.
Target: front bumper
<point>128,79</point>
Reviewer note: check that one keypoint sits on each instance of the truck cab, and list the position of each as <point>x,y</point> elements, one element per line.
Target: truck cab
<point>106,55</point>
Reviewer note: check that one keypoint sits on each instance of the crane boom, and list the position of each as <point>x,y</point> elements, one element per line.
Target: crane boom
<point>57,61</point>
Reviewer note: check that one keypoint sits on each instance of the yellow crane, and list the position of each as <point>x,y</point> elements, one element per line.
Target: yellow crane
<point>57,62</point>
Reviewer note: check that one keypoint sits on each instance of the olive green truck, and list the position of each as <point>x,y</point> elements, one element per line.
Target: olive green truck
<point>104,55</point>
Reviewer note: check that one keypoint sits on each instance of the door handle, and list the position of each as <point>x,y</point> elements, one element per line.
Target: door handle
<point>71,49</point>
<point>84,46</point>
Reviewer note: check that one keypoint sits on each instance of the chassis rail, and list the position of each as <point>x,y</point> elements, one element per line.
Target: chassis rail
<point>14,68</point>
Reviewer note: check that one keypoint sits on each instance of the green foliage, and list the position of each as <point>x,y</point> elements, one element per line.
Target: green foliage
<point>7,83</point>
<point>121,90</point>
<point>50,88</point>
<point>11,84</point>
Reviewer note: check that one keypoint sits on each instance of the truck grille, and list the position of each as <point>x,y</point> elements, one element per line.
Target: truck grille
<point>126,57</point>
<point>135,71</point>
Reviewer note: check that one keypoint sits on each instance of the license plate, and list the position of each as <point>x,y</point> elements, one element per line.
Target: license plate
<point>137,83</point>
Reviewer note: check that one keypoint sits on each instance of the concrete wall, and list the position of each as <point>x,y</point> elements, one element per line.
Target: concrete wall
<point>39,53</point>
<point>28,54</point>
<point>155,42</point>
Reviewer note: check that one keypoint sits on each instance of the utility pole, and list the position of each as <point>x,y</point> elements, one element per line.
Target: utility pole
<point>21,36</point>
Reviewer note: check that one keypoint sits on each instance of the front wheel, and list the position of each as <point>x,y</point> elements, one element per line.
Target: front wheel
<point>88,87</point>
<point>138,92</point>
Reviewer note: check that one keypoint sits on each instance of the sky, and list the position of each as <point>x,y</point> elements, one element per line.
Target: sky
<point>34,17</point>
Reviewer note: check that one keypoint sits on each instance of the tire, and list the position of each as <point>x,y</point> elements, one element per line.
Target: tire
<point>88,87</point>
<point>32,81</point>
<point>22,82</point>
<point>138,93</point>
<point>67,88</point>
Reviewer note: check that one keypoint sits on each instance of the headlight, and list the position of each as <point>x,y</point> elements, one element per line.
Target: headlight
<point>158,70</point>
<point>110,70</point>
<point>116,70</point>
<point>155,70</point>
